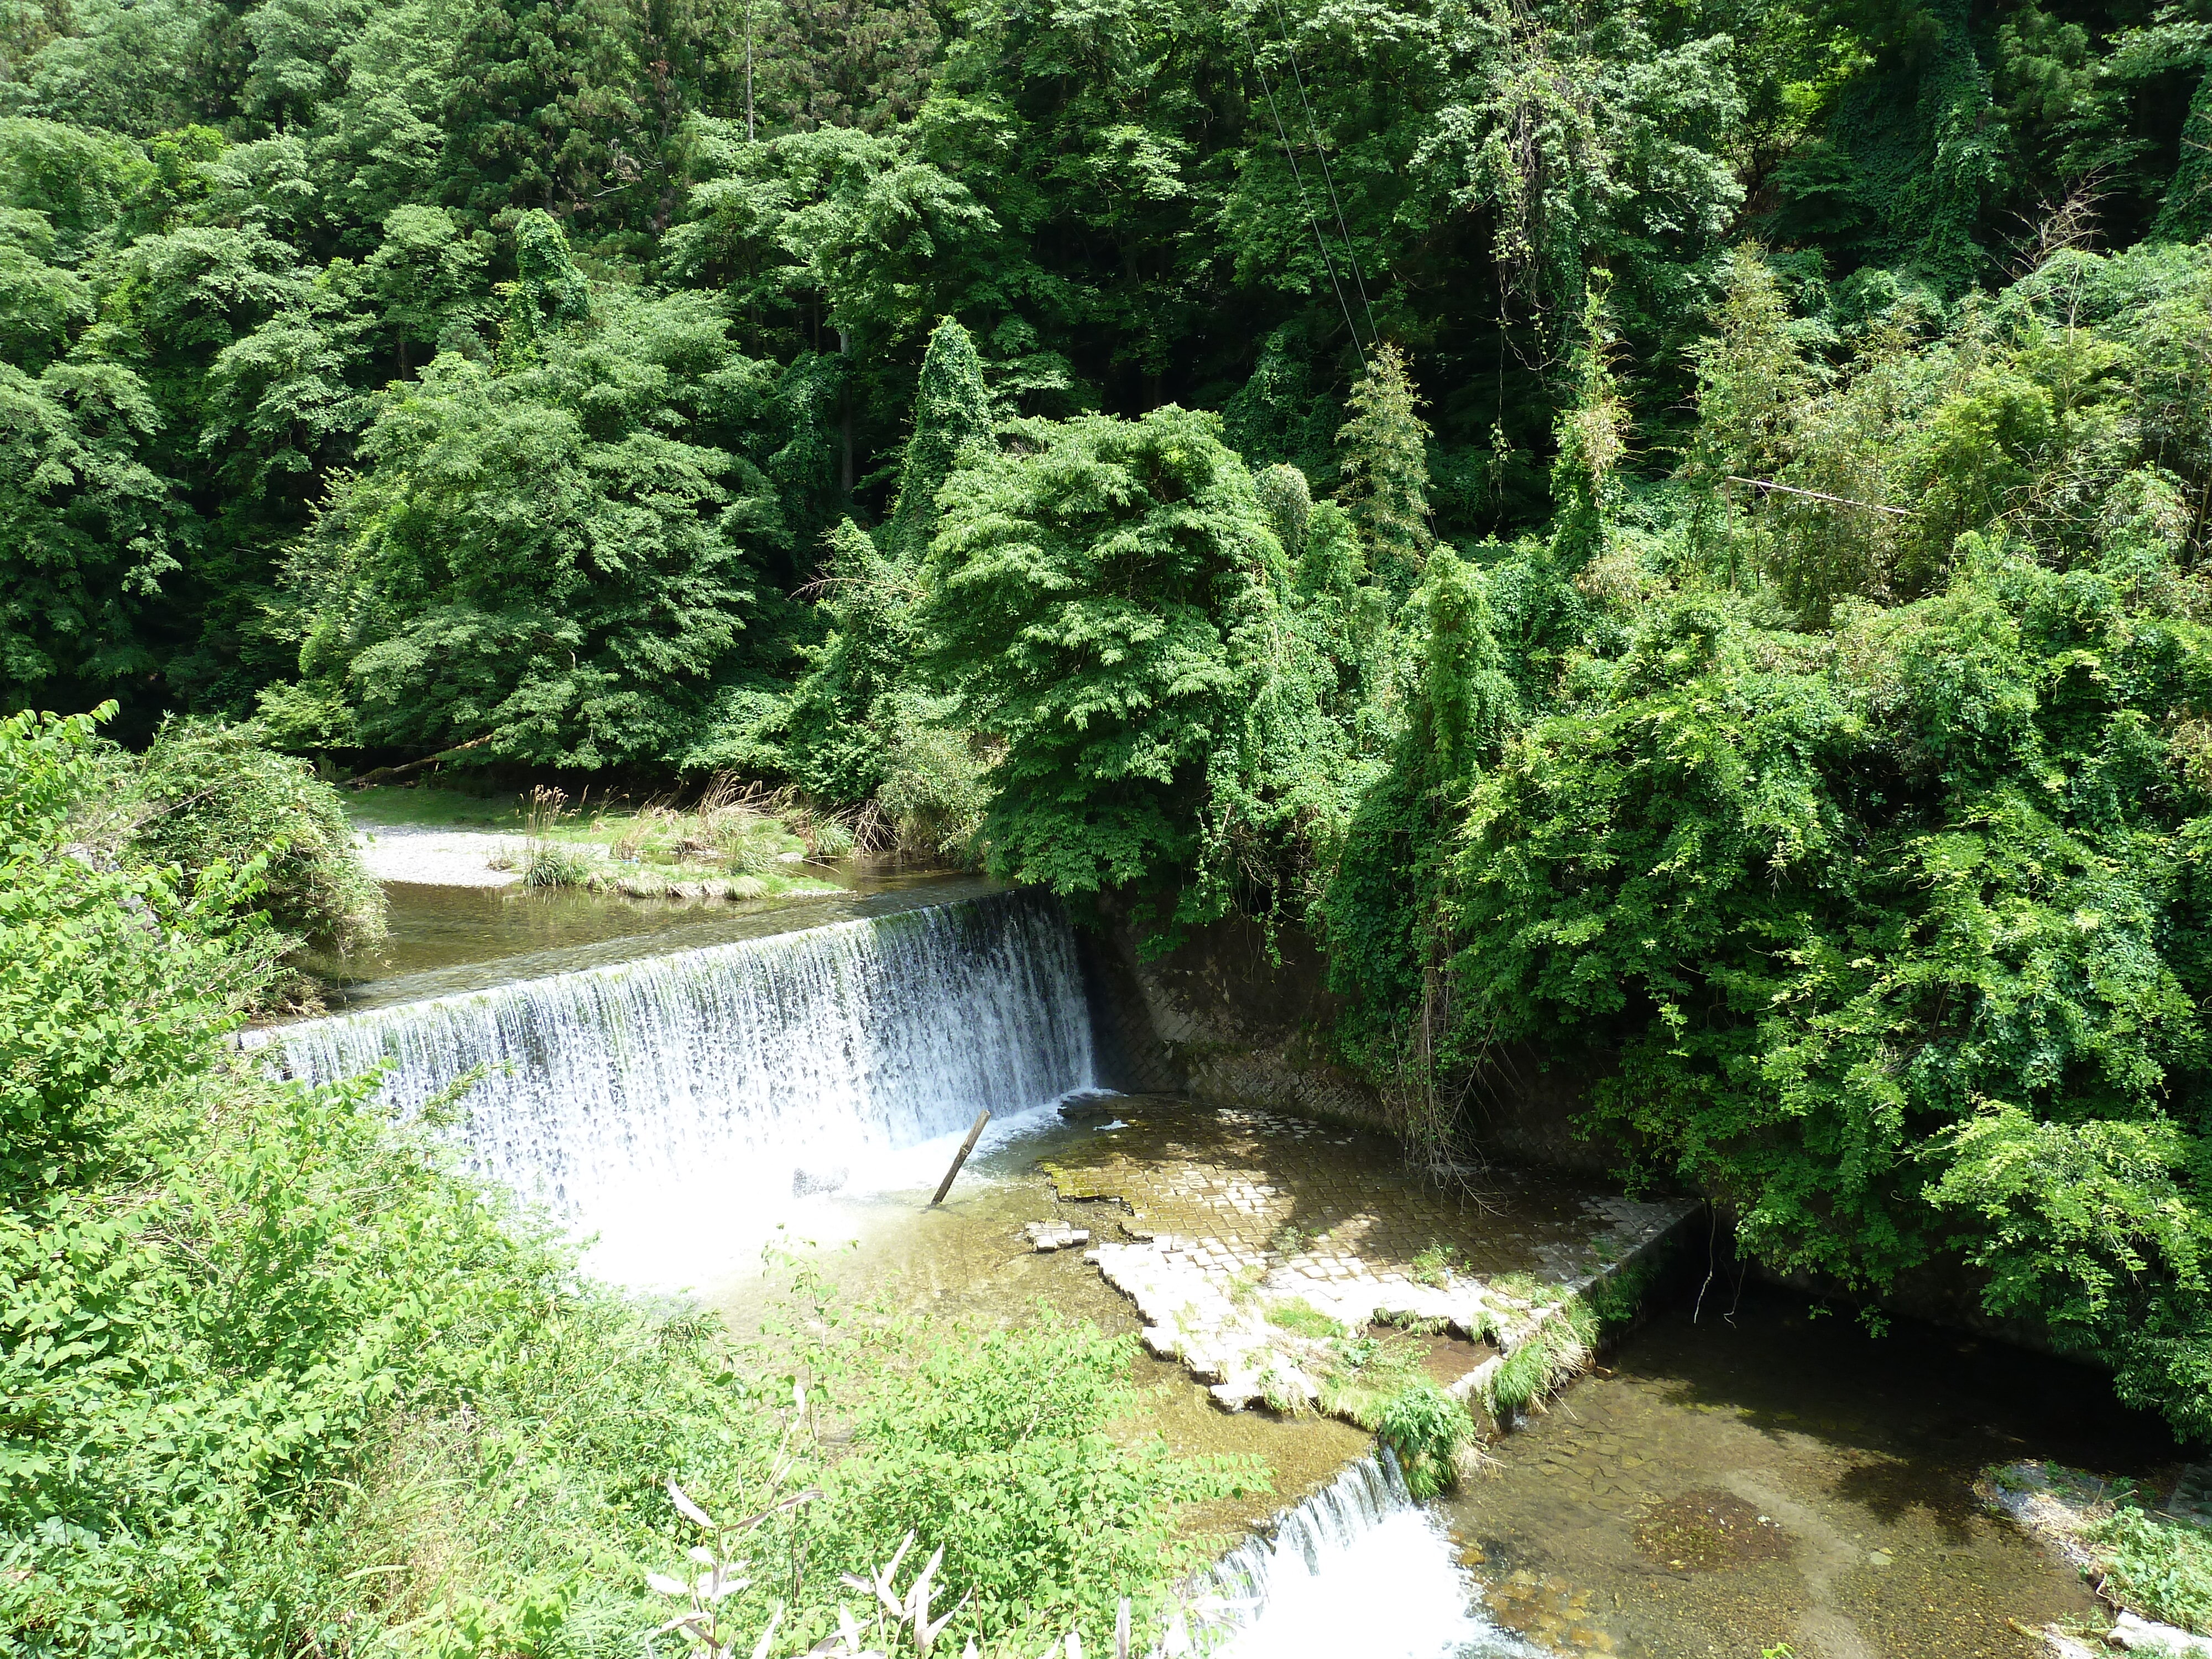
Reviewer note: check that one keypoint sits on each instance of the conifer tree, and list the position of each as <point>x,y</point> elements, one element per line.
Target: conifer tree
<point>1382,453</point>
<point>951,409</point>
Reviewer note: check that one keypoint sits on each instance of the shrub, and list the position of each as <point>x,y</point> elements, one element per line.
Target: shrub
<point>1436,1264</point>
<point>995,1445</point>
<point>751,857</point>
<point>211,793</point>
<point>114,984</point>
<point>1426,1427</point>
<point>2162,1568</point>
<point>550,864</point>
<point>831,839</point>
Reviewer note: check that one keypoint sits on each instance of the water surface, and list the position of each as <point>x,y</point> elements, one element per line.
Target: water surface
<point>1731,1482</point>
<point>447,940</point>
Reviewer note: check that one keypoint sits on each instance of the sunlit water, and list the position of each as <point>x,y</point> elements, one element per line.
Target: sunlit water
<point>681,1106</point>
<point>444,940</point>
<point>1358,1568</point>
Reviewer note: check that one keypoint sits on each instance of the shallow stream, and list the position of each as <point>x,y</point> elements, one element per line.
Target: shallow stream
<point>1763,1473</point>
<point>445,939</point>
<point>1754,1476</point>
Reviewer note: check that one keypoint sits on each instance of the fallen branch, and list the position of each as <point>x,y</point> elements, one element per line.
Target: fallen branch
<point>393,774</point>
<point>1815,495</point>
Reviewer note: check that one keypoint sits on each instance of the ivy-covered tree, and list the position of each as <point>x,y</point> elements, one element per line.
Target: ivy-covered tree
<point>951,411</point>
<point>834,746</point>
<point>1107,604</point>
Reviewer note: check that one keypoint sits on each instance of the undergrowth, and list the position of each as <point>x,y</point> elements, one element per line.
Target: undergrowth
<point>281,1381</point>
<point>2161,1568</point>
<point>1427,1429</point>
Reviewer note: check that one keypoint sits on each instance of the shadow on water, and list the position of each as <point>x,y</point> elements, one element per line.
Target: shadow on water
<point>1771,1473</point>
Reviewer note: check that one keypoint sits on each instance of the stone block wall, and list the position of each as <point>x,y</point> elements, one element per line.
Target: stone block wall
<point>1234,1020</point>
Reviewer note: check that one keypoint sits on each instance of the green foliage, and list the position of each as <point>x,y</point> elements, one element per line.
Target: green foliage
<point>1434,1264</point>
<point>2160,1568</point>
<point>1698,867</point>
<point>553,555</point>
<point>280,1380</point>
<point>995,1444</point>
<point>1382,461</point>
<point>105,976</point>
<point>1106,600</point>
<point>212,795</point>
<point>936,785</point>
<point>85,530</point>
<point>1426,1427</point>
<point>835,743</point>
<point>1301,1318</point>
<point>951,411</point>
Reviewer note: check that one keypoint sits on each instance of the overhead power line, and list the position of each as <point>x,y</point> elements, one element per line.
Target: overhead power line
<point>1290,155</point>
<point>1327,177</point>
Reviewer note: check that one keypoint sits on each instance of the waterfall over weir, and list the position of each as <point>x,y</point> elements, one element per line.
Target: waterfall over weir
<point>1360,1569</point>
<point>673,1100</point>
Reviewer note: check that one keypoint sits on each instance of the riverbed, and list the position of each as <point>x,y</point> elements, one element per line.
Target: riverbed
<point>1745,1470</point>
<point>1745,1473</point>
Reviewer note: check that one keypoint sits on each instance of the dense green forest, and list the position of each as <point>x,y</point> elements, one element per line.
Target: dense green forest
<point>1676,531</point>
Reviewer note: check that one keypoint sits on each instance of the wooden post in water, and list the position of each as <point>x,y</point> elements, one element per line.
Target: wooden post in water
<point>975,1130</point>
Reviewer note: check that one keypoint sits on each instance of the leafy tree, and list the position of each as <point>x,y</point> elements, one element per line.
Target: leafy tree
<point>87,527</point>
<point>1779,895</point>
<point>555,556</point>
<point>1106,601</point>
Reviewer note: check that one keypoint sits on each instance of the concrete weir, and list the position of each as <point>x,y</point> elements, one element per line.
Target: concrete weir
<point>1249,1241</point>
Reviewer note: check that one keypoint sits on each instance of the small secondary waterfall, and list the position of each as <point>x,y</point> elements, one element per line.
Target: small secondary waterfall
<point>1358,1568</point>
<point>664,1100</point>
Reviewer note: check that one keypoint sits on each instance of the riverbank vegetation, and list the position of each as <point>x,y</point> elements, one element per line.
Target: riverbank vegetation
<point>280,1380</point>
<point>1676,536</point>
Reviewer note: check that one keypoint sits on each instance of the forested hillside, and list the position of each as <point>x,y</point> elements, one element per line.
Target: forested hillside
<point>1673,529</point>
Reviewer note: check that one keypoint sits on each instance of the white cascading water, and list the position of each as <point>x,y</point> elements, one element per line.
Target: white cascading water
<point>671,1105</point>
<point>1358,1568</point>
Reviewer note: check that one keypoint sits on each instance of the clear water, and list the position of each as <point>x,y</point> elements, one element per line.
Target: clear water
<point>448,939</point>
<point>675,1105</point>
